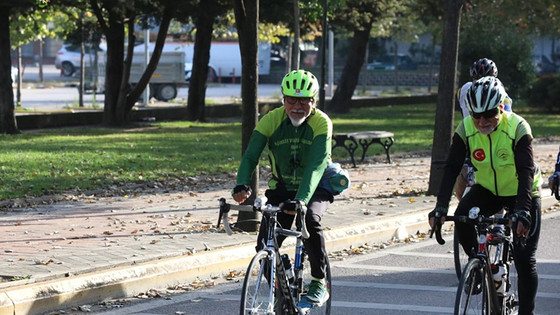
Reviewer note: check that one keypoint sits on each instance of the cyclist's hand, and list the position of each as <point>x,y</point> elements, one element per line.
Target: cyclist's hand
<point>523,219</point>
<point>553,182</point>
<point>291,206</point>
<point>241,192</point>
<point>438,212</point>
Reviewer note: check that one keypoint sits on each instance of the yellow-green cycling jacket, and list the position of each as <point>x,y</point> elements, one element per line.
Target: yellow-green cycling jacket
<point>298,155</point>
<point>503,160</point>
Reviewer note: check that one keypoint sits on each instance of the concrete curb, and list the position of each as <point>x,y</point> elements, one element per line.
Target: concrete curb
<point>131,280</point>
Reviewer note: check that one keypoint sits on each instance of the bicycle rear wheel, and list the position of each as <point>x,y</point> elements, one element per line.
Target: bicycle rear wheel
<point>257,296</point>
<point>325,308</point>
<point>459,255</point>
<point>473,293</point>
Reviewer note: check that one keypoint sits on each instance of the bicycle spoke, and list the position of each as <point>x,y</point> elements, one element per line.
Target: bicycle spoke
<point>473,294</point>
<point>257,296</point>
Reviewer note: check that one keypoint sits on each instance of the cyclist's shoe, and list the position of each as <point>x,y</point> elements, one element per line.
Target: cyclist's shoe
<point>477,284</point>
<point>318,292</point>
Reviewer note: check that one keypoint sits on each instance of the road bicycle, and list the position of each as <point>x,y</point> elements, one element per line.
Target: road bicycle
<point>274,284</point>
<point>486,287</point>
<point>460,258</point>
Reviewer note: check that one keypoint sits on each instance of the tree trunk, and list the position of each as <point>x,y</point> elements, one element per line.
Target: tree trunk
<point>246,18</point>
<point>443,128</point>
<point>295,48</point>
<point>340,102</point>
<point>135,93</point>
<point>201,57</point>
<point>20,71</point>
<point>119,97</point>
<point>114,67</point>
<point>7,115</point>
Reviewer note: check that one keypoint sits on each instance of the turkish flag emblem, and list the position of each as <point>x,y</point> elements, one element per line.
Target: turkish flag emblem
<point>479,154</point>
<point>298,91</point>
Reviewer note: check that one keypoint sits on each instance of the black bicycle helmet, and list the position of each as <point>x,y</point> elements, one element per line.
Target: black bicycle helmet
<point>482,68</point>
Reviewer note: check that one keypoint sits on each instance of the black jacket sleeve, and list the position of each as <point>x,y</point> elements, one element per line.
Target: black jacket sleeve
<point>452,168</point>
<point>525,166</point>
<point>557,167</point>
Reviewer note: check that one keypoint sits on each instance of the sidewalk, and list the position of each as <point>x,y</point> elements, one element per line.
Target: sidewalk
<point>81,250</point>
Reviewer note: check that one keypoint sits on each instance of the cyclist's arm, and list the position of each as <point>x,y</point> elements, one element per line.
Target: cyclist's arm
<point>317,159</point>
<point>452,168</point>
<point>525,167</point>
<point>250,159</point>
<point>317,156</point>
<point>557,167</point>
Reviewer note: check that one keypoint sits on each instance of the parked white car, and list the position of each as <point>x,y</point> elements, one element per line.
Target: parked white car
<point>68,58</point>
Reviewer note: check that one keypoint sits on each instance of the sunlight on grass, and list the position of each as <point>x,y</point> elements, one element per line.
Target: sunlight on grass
<point>75,159</point>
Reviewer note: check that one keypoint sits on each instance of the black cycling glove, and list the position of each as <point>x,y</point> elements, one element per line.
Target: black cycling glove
<point>292,205</point>
<point>553,182</point>
<point>240,188</point>
<point>522,216</point>
<point>439,211</point>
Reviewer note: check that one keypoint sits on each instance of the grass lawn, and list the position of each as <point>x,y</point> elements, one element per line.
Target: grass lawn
<point>69,159</point>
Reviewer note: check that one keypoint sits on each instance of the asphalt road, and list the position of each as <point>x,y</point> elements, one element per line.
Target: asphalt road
<point>61,93</point>
<point>405,279</point>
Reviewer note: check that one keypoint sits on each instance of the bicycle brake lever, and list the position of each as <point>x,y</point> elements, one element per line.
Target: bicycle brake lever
<point>302,214</point>
<point>224,209</point>
<point>439,239</point>
<point>437,229</point>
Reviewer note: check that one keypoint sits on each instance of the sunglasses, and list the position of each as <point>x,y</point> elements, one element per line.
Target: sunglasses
<point>302,100</point>
<point>487,114</point>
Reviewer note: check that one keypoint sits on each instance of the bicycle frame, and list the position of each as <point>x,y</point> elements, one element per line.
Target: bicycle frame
<point>485,242</point>
<point>292,291</point>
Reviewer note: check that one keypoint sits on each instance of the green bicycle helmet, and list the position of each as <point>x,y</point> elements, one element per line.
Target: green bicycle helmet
<point>300,83</point>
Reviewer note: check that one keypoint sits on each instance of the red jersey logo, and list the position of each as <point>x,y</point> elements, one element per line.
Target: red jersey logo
<point>479,154</point>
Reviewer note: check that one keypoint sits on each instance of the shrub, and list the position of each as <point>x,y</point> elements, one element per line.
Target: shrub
<point>545,92</point>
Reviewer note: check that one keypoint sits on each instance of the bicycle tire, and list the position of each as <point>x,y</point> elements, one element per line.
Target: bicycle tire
<point>473,299</point>
<point>324,309</point>
<point>459,256</point>
<point>257,295</point>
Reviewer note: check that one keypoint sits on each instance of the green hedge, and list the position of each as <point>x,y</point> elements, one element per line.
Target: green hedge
<point>545,92</point>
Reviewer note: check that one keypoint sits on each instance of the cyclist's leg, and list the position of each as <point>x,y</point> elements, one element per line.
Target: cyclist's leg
<point>462,182</point>
<point>526,264</point>
<point>488,203</point>
<point>315,244</point>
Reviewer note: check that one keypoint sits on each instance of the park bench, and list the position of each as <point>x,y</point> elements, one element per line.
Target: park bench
<point>352,140</point>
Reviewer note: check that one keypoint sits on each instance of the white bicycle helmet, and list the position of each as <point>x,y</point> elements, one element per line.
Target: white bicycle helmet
<point>485,94</point>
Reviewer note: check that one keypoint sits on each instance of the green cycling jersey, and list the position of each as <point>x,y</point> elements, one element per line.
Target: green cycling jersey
<point>298,155</point>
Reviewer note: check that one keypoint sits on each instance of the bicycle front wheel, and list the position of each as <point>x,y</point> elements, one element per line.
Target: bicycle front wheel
<point>257,296</point>
<point>459,255</point>
<point>473,293</point>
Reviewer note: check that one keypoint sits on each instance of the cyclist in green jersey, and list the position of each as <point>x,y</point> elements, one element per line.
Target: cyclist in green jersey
<point>298,138</point>
<point>499,144</point>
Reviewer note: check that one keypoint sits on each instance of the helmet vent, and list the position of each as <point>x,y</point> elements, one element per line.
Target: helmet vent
<point>302,86</point>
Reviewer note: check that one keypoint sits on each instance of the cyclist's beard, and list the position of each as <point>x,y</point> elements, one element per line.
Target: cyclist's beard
<point>486,128</point>
<point>296,122</point>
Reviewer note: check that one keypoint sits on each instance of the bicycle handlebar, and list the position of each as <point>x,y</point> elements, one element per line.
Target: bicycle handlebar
<point>259,205</point>
<point>463,219</point>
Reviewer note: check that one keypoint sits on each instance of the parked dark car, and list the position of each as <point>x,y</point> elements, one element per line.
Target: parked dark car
<point>387,62</point>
